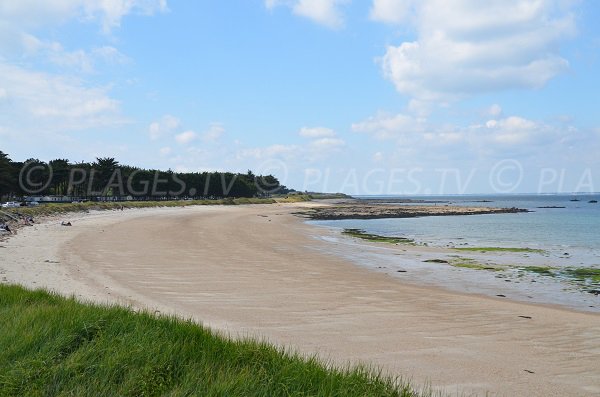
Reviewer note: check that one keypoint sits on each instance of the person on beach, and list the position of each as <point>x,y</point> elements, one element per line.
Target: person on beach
<point>65,223</point>
<point>5,227</point>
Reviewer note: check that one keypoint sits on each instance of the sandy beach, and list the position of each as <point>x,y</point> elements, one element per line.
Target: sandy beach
<point>253,271</point>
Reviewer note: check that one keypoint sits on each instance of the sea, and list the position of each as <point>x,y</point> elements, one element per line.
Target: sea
<point>564,227</point>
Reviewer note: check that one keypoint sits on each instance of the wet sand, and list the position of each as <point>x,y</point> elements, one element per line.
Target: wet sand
<point>253,271</point>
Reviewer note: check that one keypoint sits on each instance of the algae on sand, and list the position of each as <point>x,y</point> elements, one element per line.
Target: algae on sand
<point>500,249</point>
<point>359,233</point>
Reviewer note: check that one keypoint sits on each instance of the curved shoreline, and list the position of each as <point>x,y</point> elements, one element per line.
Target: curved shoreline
<point>248,271</point>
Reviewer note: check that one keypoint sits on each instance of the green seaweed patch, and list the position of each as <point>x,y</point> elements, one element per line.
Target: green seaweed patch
<point>541,270</point>
<point>436,261</point>
<point>588,274</point>
<point>500,249</point>
<point>469,263</point>
<point>586,279</point>
<point>359,233</point>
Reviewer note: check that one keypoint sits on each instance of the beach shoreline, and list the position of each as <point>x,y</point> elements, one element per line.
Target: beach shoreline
<point>254,271</point>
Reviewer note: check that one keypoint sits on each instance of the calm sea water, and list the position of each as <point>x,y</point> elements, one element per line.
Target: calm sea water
<point>569,238</point>
<point>574,229</point>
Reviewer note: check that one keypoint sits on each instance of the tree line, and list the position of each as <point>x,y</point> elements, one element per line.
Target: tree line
<point>106,179</point>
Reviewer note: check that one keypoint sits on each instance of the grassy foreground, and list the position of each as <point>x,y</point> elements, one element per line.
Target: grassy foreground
<point>53,346</point>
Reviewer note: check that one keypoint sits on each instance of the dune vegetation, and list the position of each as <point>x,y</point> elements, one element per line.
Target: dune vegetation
<point>62,208</point>
<point>55,346</point>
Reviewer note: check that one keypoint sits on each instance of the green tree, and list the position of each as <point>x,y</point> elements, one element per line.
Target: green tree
<point>7,180</point>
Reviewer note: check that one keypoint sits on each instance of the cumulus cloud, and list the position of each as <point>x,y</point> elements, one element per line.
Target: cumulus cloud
<point>514,130</point>
<point>59,102</point>
<point>327,143</point>
<point>323,139</point>
<point>468,46</point>
<point>324,12</point>
<point>33,13</point>
<point>386,126</point>
<point>495,137</point>
<point>165,126</point>
<point>391,11</point>
<point>77,60</point>
<point>214,132</point>
<point>186,137</point>
<point>268,152</point>
<point>316,132</point>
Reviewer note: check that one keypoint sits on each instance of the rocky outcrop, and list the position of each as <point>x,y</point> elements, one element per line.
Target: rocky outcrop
<point>376,211</point>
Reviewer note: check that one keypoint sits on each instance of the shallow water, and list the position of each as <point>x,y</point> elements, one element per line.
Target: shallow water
<point>569,236</point>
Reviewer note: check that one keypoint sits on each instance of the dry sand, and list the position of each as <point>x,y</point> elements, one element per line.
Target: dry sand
<point>247,270</point>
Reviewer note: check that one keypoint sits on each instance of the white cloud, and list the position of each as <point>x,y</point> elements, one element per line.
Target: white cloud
<point>109,55</point>
<point>60,103</point>
<point>327,143</point>
<point>165,126</point>
<point>268,152</point>
<point>514,130</point>
<point>316,132</point>
<point>214,132</point>
<point>33,13</point>
<point>386,126</point>
<point>494,138</point>
<point>494,111</point>
<point>391,11</point>
<point>165,151</point>
<point>468,46</point>
<point>186,137</point>
<point>324,12</point>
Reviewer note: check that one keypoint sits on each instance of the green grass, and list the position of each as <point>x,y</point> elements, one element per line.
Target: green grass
<point>54,346</point>
<point>294,198</point>
<point>500,249</point>
<point>325,196</point>
<point>359,233</point>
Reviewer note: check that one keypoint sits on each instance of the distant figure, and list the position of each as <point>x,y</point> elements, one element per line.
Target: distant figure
<point>64,223</point>
<point>4,226</point>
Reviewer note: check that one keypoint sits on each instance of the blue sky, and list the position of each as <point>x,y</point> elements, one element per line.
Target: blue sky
<point>365,97</point>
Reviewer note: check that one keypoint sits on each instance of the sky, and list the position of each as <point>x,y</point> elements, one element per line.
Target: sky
<point>363,97</point>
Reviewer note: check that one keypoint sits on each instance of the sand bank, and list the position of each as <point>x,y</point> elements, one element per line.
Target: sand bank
<point>248,270</point>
